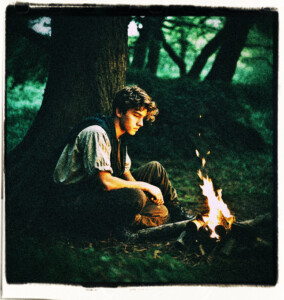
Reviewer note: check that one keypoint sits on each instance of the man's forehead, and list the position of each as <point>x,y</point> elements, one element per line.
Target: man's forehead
<point>142,111</point>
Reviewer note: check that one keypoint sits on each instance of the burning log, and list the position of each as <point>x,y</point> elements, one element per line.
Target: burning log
<point>188,237</point>
<point>221,231</point>
<point>207,243</point>
<point>192,228</point>
<point>194,236</point>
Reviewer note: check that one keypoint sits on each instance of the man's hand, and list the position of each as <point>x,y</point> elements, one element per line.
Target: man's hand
<point>155,193</point>
<point>157,196</point>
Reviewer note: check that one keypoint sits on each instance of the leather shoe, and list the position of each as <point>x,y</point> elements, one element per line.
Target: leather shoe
<point>177,213</point>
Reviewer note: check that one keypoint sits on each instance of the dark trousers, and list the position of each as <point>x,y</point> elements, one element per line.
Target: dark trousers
<point>100,210</point>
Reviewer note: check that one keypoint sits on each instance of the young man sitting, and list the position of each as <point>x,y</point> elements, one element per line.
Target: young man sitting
<point>94,171</point>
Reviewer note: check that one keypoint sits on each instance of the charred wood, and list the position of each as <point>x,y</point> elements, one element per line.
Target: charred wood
<point>191,234</point>
<point>180,242</point>
<point>221,231</point>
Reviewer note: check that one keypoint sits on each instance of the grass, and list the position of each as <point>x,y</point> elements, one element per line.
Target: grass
<point>96,263</point>
<point>236,127</point>
<point>22,105</point>
<point>104,262</point>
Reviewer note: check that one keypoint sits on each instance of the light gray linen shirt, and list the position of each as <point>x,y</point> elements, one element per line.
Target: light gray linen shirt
<point>89,154</point>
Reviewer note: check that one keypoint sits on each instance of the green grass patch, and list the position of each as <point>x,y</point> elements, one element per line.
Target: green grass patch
<point>22,104</point>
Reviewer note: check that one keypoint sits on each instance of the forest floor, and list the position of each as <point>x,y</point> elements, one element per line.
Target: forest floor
<point>106,262</point>
<point>244,172</point>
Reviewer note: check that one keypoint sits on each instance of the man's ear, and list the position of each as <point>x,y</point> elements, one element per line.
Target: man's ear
<point>118,113</point>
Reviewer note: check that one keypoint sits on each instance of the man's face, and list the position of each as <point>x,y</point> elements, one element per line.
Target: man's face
<point>132,120</point>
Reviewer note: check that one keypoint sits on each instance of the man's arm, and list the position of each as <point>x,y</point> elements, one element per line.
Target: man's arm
<point>110,182</point>
<point>128,176</point>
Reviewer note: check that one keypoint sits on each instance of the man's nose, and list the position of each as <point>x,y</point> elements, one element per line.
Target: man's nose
<point>140,122</point>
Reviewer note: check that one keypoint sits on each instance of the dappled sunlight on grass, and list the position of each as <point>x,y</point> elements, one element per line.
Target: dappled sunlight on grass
<point>22,105</point>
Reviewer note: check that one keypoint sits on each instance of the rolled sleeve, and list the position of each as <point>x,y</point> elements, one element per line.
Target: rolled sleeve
<point>96,150</point>
<point>127,163</point>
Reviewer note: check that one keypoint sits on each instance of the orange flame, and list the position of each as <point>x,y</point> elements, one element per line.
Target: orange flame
<point>218,210</point>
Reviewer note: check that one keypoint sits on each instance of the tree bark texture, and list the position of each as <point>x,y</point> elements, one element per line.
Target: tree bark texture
<point>235,35</point>
<point>89,58</point>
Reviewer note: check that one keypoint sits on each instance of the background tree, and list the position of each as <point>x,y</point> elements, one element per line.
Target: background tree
<point>141,45</point>
<point>27,52</point>
<point>174,56</point>
<point>148,45</point>
<point>88,65</point>
<point>179,34</point>
<point>191,45</point>
<point>207,51</point>
<point>233,41</point>
<point>154,44</point>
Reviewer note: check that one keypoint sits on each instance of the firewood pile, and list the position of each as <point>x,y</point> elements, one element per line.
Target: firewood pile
<point>194,238</point>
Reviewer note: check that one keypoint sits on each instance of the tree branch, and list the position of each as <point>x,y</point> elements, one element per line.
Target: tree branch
<point>208,50</point>
<point>265,59</point>
<point>174,56</point>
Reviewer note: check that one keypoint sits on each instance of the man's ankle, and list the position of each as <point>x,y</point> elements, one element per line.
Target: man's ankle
<point>178,213</point>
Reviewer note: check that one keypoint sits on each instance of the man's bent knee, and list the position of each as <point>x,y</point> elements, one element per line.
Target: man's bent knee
<point>156,164</point>
<point>154,215</point>
<point>153,210</point>
<point>137,196</point>
<point>156,167</point>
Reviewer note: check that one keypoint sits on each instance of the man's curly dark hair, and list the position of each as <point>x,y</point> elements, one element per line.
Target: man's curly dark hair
<point>134,97</point>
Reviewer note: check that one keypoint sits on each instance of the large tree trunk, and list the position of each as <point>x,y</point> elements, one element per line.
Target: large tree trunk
<point>235,36</point>
<point>89,57</point>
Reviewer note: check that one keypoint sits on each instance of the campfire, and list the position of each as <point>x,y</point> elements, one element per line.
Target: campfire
<point>219,219</point>
<point>215,231</point>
